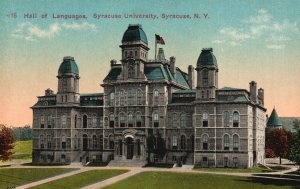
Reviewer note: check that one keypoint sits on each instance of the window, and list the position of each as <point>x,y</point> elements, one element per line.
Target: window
<point>75,142</point>
<point>235,162</point>
<point>42,122</point>
<point>192,142</point>
<point>111,142</point>
<point>130,120</point>
<point>236,119</point>
<point>182,120</point>
<point>138,119</point>
<point>205,142</point>
<point>155,120</point>
<point>125,54</point>
<point>205,77</point>
<point>75,121</point>
<point>48,141</point>
<point>84,121</point>
<point>63,121</point>
<point>174,142</point>
<point>139,97</point>
<point>205,161</point>
<point>101,121</point>
<point>226,119</point>
<point>112,99</point>
<point>101,142</point>
<point>63,142</point>
<point>111,120</point>
<point>122,120</point>
<point>122,98</point>
<point>174,120</point>
<point>205,119</point>
<point>156,94</point>
<point>94,142</point>
<point>226,142</point>
<point>225,161</point>
<point>236,142</point>
<point>182,142</point>
<point>42,141</point>
<point>131,97</point>
<point>49,121</point>
<point>94,121</point>
<point>155,97</point>
<point>138,143</point>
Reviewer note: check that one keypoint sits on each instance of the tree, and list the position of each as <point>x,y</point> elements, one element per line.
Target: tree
<point>277,141</point>
<point>294,143</point>
<point>6,143</point>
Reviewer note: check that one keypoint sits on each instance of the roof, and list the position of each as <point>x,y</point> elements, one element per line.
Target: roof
<point>91,94</point>
<point>113,74</point>
<point>232,98</point>
<point>274,120</point>
<point>134,33</point>
<point>207,57</point>
<point>230,89</point>
<point>185,91</point>
<point>45,103</point>
<point>68,66</point>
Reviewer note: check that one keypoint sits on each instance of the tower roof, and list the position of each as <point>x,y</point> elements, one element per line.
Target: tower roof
<point>207,58</point>
<point>68,66</point>
<point>134,33</point>
<point>274,120</point>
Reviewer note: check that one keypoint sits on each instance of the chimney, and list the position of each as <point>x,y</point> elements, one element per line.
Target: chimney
<point>113,62</point>
<point>191,76</point>
<point>48,92</point>
<point>161,54</point>
<point>172,66</point>
<point>261,95</point>
<point>253,91</point>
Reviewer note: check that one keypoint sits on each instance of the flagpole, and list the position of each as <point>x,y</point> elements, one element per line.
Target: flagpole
<point>155,47</point>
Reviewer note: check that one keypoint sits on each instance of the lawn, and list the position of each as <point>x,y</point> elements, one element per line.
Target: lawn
<point>168,180</point>
<point>81,179</point>
<point>11,177</point>
<point>236,170</point>
<point>23,150</point>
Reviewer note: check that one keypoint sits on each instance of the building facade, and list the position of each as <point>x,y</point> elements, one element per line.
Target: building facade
<point>195,121</point>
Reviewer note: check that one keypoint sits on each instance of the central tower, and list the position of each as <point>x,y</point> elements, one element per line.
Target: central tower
<point>134,52</point>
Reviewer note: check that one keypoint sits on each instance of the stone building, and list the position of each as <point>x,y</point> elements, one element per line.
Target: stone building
<point>144,99</point>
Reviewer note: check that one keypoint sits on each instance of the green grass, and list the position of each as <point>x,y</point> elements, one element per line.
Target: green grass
<point>12,177</point>
<point>248,170</point>
<point>81,179</point>
<point>168,180</point>
<point>23,150</point>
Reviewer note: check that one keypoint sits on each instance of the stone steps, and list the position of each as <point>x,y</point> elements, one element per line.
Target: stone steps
<point>127,163</point>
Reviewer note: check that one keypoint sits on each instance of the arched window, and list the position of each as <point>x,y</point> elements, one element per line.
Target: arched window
<point>42,122</point>
<point>174,142</point>
<point>63,142</point>
<point>226,119</point>
<point>84,121</point>
<point>75,142</point>
<point>130,120</point>
<point>174,120</point>
<point>94,142</point>
<point>63,121</point>
<point>122,120</point>
<point>94,121</point>
<point>42,141</point>
<point>49,121</point>
<point>236,119</point>
<point>205,77</point>
<point>155,97</point>
<point>205,142</point>
<point>226,142</point>
<point>139,97</point>
<point>48,141</point>
<point>205,119</point>
<point>138,119</point>
<point>112,99</point>
<point>122,98</point>
<point>131,97</point>
<point>75,121</point>
<point>182,120</point>
<point>236,142</point>
<point>155,120</point>
<point>182,142</point>
<point>111,120</point>
<point>101,142</point>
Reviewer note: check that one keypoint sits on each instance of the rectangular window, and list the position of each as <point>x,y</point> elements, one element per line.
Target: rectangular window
<point>101,121</point>
<point>138,124</point>
<point>49,121</point>
<point>63,121</point>
<point>174,142</point>
<point>42,122</point>
<point>205,123</point>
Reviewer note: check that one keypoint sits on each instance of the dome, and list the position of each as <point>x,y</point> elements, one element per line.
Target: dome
<point>68,66</point>
<point>207,58</point>
<point>134,33</point>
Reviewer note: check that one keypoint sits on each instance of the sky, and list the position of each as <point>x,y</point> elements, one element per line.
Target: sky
<point>251,39</point>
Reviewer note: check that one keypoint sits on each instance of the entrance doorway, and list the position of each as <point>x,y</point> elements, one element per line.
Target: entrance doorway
<point>130,145</point>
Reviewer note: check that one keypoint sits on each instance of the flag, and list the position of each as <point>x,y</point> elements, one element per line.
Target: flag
<point>159,39</point>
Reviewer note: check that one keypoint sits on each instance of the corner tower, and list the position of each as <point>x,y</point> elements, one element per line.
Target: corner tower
<point>134,52</point>
<point>68,82</point>
<point>207,75</point>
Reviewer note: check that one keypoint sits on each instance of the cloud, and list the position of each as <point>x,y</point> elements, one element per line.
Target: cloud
<point>261,27</point>
<point>276,47</point>
<point>32,32</point>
